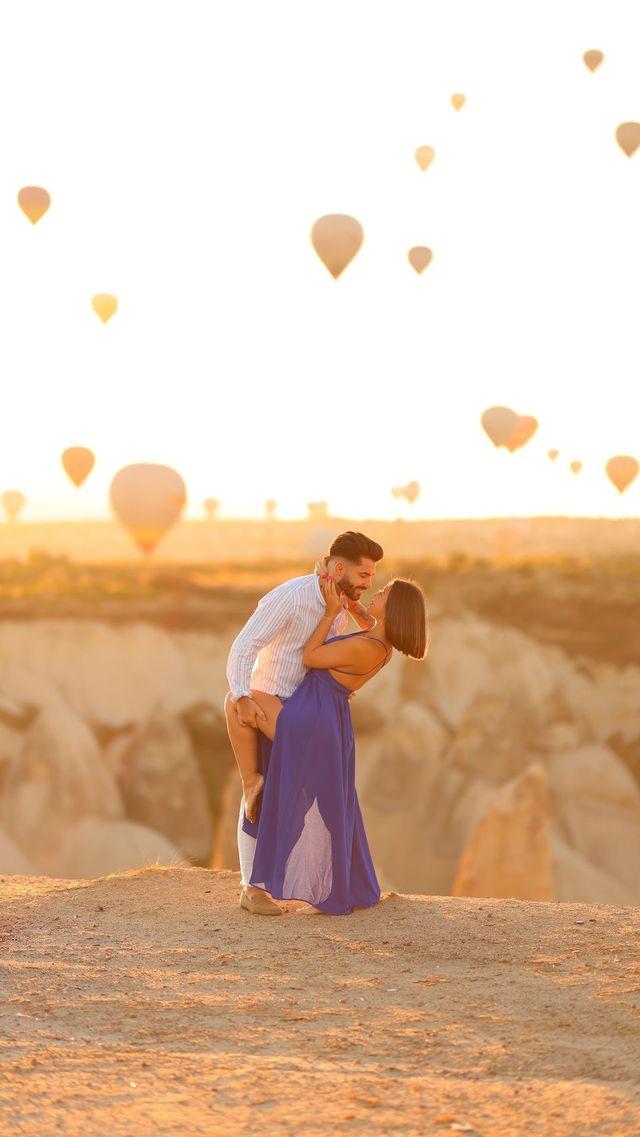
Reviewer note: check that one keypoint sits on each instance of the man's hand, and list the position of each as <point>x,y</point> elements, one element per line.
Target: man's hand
<point>248,712</point>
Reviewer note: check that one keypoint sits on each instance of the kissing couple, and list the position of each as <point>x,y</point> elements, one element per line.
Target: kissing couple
<point>292,671</point>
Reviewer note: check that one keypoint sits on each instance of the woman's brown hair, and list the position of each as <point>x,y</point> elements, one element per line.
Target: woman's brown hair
<point>406,623</point>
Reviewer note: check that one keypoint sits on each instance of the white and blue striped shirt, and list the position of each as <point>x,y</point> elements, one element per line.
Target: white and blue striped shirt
<point>267,653</point>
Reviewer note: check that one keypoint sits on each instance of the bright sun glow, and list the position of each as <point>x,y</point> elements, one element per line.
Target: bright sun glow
<point>189,148</point>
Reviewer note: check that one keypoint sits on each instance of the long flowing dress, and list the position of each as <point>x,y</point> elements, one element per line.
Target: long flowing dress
<point>310,839</point>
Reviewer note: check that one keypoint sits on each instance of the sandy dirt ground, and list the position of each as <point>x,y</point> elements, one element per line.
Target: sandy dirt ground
<point>149,1003</point>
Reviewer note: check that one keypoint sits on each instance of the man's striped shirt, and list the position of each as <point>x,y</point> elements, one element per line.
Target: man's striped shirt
<point>267,654</point>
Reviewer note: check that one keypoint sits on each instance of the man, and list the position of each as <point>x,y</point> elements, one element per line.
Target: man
<point>265,663</point>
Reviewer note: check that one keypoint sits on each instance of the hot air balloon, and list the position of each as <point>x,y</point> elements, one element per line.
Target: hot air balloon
<point>525,429</point>
<point>575,467</point>
<point>458,101</point>
<point>621,470</point>
<point>13,502</point>
<point>104,305</point>
<point>34,202</point>
<point>424,156</point>
<point>78,462</point>
<point>270,507</point>
<point>148,499</point>
<point>336,239</point>
<point>628,137</point>
<point>411,491</point>
<point>419,257</point>
<point>593,59</point>
<point>211,506</point>
<point>500,424</point>
<point>553,454</point>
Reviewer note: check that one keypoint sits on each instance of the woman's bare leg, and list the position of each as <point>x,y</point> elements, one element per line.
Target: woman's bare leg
<point>244,742</point>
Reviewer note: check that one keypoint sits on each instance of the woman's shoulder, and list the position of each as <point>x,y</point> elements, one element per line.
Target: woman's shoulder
<point>364,644</point>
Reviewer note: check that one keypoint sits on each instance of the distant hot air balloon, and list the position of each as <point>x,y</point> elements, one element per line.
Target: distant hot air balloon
<point>104,305</point>
<point>525,429</point>
<point>211,506</point>
<point>628,137</point>
<point>148,499</point>
<point>500,424</point>
<point>270,507</point>
<point>318,510</point>
<point>593,59</point>
<point>553,454</point>
<point>419,257</point>
<point>13,502</point>
<point>411,491</point>
<point>34,202</point>
<point>424,156</point>
<point>575,467</point>
<point>336,239</point>
<point>621,470</point>
<point>458,101</point>
<point>78,462</point>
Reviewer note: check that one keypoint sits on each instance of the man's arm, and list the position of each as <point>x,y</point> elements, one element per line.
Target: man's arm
<point>270,617</point>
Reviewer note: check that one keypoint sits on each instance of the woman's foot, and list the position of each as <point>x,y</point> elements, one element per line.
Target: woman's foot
<point>309,910</point>
<point>251,792</point>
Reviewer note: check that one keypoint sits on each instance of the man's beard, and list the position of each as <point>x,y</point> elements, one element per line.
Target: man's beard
<point>350,590</point>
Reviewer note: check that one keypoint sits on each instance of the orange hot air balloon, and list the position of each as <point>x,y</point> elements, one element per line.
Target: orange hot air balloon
<point>34,202</point>
<point>593,59</point>
<point>628,137</point>
<point>553,454</point>
<point>336,239</point>
<point>78,462</point>
<point>622,470</point>
<point>148,499</point>
<point>105,305</point>
<point>575,467</point>
<point>12,501</point>
<point>211,507</point>
<point>500,424</point>
<point>419,257</point>
<point>424,156</point>
<point>458,101</point>
<point>525,429</point>
<point>270,507</point>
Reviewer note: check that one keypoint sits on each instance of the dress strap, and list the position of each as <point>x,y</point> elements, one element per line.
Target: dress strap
<point>359,674</point>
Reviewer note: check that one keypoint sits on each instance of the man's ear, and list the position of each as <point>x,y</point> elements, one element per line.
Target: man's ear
<point>338,569</point>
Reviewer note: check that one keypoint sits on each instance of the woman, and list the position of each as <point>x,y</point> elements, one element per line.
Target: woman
<point>310,838</point>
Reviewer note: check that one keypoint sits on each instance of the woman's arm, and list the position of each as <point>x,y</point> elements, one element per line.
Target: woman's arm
<point>341,653</point>
<point>362,618</point>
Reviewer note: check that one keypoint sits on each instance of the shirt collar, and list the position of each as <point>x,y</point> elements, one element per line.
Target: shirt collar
<point>318,590</point>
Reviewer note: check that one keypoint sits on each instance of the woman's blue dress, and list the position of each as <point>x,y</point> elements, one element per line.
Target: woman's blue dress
<point>310,838</point>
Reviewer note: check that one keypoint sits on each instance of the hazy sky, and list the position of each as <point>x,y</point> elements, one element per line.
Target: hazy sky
<point>188,147</point>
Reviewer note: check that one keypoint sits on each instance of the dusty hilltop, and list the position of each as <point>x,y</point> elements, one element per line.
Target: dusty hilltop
<point>148,1003</point>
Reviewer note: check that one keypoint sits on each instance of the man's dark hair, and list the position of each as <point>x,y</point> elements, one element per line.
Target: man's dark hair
<point>354,546</point>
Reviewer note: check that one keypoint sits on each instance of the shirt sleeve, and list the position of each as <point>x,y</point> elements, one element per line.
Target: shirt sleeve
<point>271,616</point>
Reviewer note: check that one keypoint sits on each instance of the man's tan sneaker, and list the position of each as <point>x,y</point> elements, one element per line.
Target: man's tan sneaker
<point>259,903</point>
